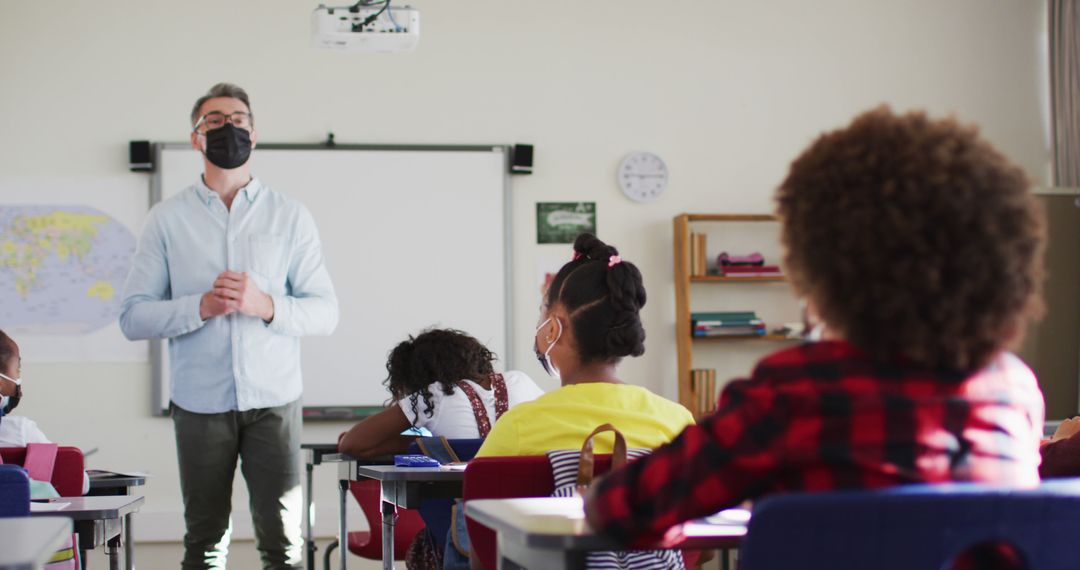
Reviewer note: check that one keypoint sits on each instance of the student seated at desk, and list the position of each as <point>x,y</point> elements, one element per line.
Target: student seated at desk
<point>441,380</point>
<point>919,247</point>
<point>589,321</point>
<point>17,431</point>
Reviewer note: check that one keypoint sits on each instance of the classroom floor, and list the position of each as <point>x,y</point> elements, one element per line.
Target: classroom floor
<point>242,555</point>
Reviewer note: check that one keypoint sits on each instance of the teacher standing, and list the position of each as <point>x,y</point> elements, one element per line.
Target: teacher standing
<point>232,273</point>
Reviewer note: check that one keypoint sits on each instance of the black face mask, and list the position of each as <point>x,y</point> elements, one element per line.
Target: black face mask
<point>13,401</point>
<point>543,360</point>
<point>228,146</point>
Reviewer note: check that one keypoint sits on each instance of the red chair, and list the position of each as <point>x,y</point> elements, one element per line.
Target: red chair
<point>67,477</point>
<point>511,477</point>
<point>368,543</point>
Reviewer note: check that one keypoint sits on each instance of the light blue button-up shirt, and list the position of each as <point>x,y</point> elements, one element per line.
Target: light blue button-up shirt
<point>230,362</point>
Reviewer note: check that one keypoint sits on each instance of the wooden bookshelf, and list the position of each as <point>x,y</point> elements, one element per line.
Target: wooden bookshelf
<point>683,280</point>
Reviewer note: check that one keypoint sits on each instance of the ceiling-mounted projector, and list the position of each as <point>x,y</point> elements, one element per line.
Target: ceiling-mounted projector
<point>366,27</point>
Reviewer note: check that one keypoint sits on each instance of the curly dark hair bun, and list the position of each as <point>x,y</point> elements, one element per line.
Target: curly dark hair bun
<point>914,237</point>
<point>604,296</point>
<point>445,356</point>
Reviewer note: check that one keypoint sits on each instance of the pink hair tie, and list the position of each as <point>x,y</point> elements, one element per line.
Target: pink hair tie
<point>613,261</point>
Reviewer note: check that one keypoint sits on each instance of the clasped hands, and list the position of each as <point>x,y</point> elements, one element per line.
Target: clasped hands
<point>235,292</point>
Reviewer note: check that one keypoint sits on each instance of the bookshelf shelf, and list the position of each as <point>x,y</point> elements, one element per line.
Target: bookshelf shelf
<point>725,279</point>
<point>730,218</point>
<point>685,341</point>
<point>770,337</point>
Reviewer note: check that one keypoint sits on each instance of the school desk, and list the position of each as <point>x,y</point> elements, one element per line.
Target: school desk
<point>107,483</point>
<point>404,487</point>
<point>551,532</point>
<point>314,454</point>
<point>28,543</point>
<point>98,521</point>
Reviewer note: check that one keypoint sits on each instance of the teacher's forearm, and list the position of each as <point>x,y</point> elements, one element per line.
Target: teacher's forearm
<point>155,319</point>
<point>302,316</point>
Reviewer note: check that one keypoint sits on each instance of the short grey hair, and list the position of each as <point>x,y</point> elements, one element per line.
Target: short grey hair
<point>220,90</point>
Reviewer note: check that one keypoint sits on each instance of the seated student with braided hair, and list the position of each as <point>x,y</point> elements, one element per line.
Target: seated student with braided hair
<point>919,246</point>
<point>441,380</point>
<point>589,322</point>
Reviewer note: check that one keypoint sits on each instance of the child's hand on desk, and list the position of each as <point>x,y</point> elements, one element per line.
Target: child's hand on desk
<point>1066,429</point>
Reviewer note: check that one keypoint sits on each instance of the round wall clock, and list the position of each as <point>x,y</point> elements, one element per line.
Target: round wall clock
<point>643,176</point>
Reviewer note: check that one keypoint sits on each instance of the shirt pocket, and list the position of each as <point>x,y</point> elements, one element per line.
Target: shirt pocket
<point>266,256</point>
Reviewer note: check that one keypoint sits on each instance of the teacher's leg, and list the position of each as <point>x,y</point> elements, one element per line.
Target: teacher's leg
<point>206,448</point>
<point>270,463</point>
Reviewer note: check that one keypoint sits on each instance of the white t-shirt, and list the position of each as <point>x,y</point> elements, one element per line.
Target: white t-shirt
<point>17,431</point>
<point>452,416</point>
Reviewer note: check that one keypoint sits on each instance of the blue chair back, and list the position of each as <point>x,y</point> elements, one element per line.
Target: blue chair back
<point>14,491</point>
<point>436,512</point>
<point>914,527</point>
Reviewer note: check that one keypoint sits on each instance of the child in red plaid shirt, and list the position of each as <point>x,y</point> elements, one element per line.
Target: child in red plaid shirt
<point>918,248</point>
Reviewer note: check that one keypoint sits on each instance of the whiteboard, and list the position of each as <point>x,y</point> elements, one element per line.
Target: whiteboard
<point>413,237</point>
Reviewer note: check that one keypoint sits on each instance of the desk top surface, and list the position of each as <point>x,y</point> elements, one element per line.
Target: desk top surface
<point>417,474</point>
<point>30,542</point>
<point>559,523</point>
<point>336,457</point>
<point>94,508</point>
<point>323,447</point>
<point>103,480</point>
<point>319,453</point>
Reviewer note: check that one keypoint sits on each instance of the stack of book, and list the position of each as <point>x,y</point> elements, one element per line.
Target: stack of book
<point>703,390</point>
<point>751,271</point>
<point>739,323</point>
<point>750,265</point>
<point>698,265</point>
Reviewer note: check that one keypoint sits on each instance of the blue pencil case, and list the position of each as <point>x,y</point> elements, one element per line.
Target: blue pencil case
<point>414,461</point>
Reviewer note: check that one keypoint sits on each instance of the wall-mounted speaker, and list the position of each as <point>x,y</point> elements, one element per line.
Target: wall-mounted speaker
<point>140,156</point>
<point>521,159</point>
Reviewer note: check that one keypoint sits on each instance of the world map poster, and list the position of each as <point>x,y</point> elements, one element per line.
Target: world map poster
<point>62,268</point>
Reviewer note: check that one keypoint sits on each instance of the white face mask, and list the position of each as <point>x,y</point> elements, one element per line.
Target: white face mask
<point>545,357</point>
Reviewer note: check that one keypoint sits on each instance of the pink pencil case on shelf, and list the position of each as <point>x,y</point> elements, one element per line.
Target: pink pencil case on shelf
<point>726,258</point>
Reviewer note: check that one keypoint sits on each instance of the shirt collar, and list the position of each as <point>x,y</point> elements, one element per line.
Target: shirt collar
<point>250,191</point>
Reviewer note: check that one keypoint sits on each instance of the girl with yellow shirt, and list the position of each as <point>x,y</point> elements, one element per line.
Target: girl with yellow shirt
<point>589,321</point>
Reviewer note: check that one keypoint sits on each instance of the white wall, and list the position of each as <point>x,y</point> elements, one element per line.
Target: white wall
<point>727,92</point>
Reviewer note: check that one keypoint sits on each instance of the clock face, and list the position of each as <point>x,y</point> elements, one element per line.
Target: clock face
<point>643,176</point>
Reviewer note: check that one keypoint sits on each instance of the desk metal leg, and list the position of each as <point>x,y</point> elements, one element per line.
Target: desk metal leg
<point>309,519</point>
<point>129,543</point>
<point>343,537</point>
<point>112,550</point>
<point>389,519</point>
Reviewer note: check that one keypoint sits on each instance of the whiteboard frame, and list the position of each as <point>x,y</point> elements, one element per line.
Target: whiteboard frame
<point>158,347</point>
